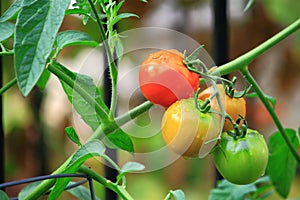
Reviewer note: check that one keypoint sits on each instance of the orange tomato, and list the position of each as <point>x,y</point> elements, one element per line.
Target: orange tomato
<point>233,106</point>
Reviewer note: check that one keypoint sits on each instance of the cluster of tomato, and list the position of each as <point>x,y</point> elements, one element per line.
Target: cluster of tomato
<point>191,125</point>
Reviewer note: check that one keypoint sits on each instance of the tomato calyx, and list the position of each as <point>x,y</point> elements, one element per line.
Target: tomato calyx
<point>192,61</point>
<point>230,90</point>
<point>238,131</point>
<point>202,106</point>
<point>194,64</point>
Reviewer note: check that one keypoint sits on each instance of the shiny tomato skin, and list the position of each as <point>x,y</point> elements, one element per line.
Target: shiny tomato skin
<point>234,107</point>
<point>241,161</point>
<point>164,78</point>
<point>184,128</point>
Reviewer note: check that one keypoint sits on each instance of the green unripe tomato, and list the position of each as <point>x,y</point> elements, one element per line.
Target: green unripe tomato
<point>242,160</point>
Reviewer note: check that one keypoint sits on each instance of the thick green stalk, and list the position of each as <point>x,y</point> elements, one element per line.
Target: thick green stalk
<point>113,71</point>
<point>121,120</point>
<point>268,106</point>
<point>120,190</point>
<point>248,57</point>
<point>101,130</point>
<point>131,114</point>
<point>8,85</point>
<point>47,184</point>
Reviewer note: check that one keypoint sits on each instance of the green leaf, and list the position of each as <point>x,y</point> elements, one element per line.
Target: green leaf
<point>36,27</point>
<point>71,133</point>
<point>284,12</point>
<point>116,45</point>
<point>178,194</point>
<point>119,139</point>
<point>264,188</point>
<point>118,6</point>
<point>263,191</point>
<point>71,38</point>
<point>77,11</point>
<point>282,164</point>
<point>27,190</point>
<point>129,167</point>
<point>82,107</point>
<point>298,136</point>
<point>12,11</point>
<point>249,5</point>
<point>132,167</point>
<point>229,191</point>
<point>90,149</point>
<point>81,192</point>
<point>120,17</point>
<point>84,5</point>
<point>6,30</point>
<point>3,195</point>
<point>43,80</point>
<point>58,188</point>
<point>175,194</point>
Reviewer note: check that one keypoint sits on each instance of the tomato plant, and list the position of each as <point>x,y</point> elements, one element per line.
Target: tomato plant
<point>185,128</point>
<point>241,159</point>
<point>164,78</point>
<point>234,107</point>
<point>33,34</point>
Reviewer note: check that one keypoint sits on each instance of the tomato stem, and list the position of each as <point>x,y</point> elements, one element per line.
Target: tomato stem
<point>271,111</point>
<point>133,113</point>
<point>113,71</point>
<point>5,53</point>
<point>8,85</point>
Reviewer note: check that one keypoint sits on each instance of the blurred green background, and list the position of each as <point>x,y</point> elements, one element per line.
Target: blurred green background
<point>34,126</point>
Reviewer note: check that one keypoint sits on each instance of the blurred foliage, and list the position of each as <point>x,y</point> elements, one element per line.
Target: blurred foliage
<point>284,13</point>
<point>277,10</point>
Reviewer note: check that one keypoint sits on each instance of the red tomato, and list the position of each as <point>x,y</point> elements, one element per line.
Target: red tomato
<point>164,78</point>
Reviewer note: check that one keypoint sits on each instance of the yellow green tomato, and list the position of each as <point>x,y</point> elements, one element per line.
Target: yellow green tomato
<point>185,128</point>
